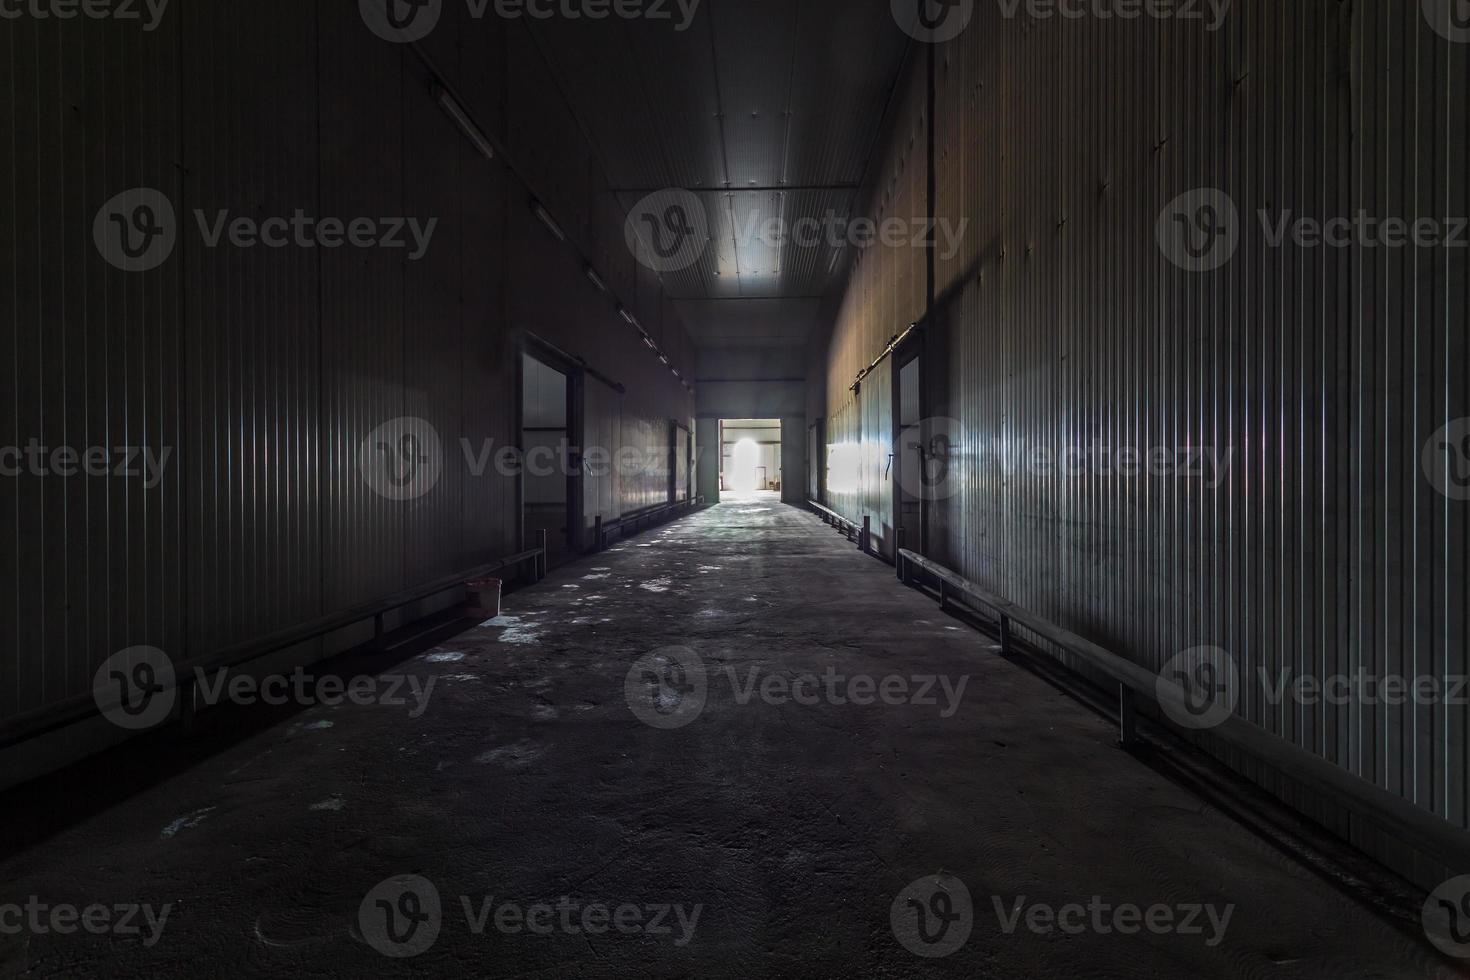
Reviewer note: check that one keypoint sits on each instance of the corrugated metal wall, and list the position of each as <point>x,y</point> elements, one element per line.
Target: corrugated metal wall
<point>1323,372</point>
<point>263,370</point>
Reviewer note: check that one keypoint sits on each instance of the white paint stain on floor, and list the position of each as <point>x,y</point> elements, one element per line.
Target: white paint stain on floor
<point>516,756</point>
<point>595,577</point>
<point>656,585</point>
<point>447,657</point>
<point>187,822</point>
<point>331,803</point>
<point>516,629</point>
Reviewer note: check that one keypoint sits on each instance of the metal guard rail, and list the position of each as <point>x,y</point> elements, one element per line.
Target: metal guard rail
<point>639,520</point>
<point>1432,835</point>
<point>864,531</point>
<point>83,707</point>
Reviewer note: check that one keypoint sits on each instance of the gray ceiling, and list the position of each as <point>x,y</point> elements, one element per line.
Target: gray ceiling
<point>765,94</point>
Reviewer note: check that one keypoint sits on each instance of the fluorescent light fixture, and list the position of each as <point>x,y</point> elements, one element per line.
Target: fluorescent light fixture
<point>664,358</point>
<point>649,341</point>
<point>596,280</point>
<point>457,113</point>
<point>548,220</point>
<point>632,320</point>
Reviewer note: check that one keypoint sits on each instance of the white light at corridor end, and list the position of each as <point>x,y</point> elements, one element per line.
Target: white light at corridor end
<point>744,459</point>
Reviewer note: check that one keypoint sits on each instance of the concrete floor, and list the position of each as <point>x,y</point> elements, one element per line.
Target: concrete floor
<point>800,831</point>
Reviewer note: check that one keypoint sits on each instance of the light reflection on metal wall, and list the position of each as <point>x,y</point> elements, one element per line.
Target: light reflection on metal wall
<point>1315,376</point>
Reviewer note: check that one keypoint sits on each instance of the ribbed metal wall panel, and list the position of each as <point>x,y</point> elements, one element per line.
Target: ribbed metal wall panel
<point>1061,324</point>
<point>90,354</point>
<point>251,316</point>
<point>263,370</point>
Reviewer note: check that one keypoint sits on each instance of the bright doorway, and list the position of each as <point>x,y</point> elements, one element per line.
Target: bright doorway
<point>750,459</point>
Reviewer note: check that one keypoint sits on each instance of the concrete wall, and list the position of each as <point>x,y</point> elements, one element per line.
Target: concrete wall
<point>1322,376</point>
<point>750,399</point>
<point>264,372</point>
